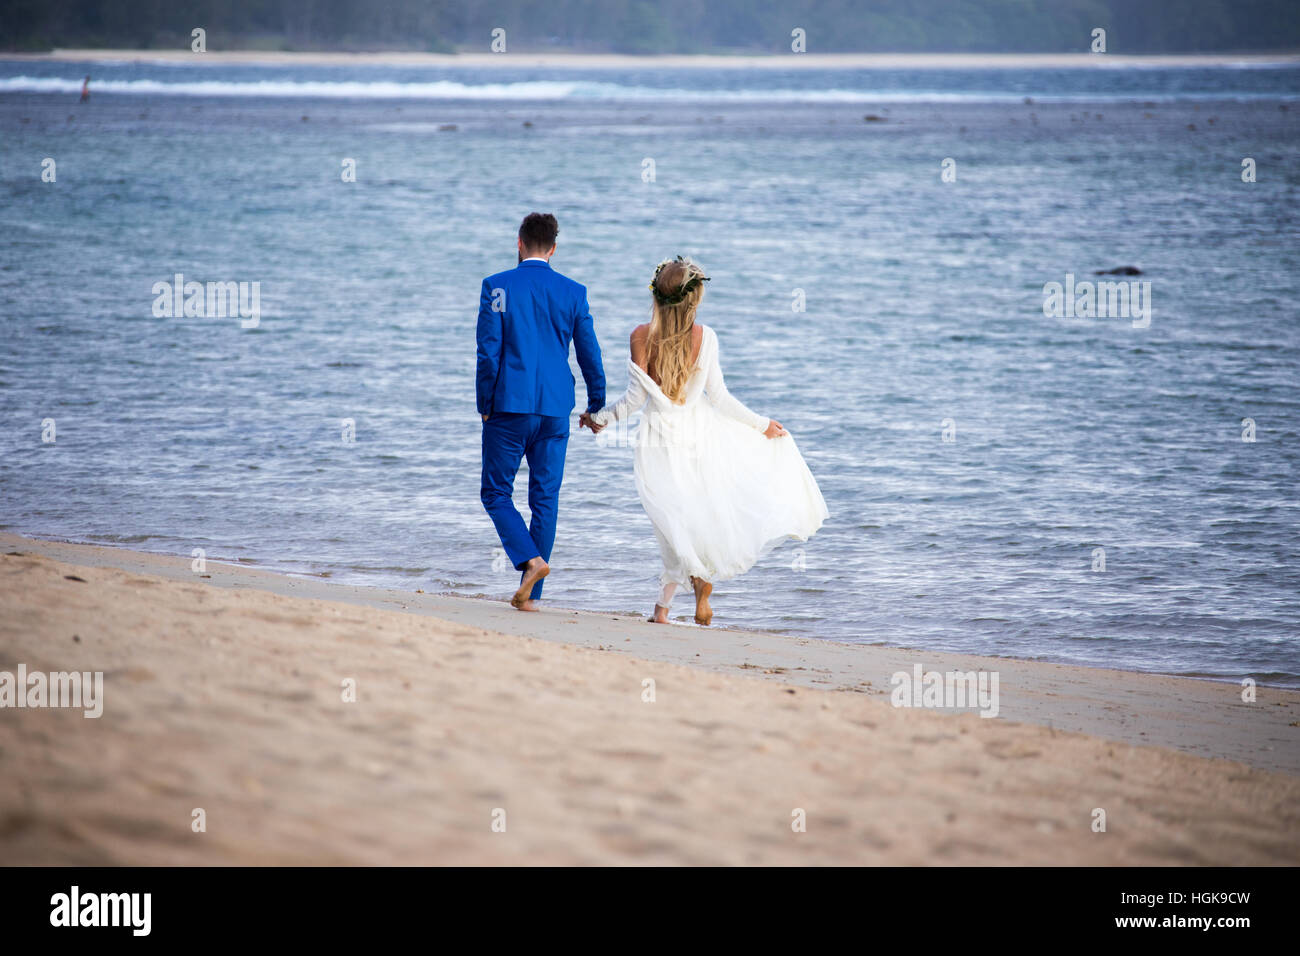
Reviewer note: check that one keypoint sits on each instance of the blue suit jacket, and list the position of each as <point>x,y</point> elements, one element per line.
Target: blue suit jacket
<point>527,316</point>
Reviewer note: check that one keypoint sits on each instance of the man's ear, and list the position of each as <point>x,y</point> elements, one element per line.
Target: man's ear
<point>552,252</point>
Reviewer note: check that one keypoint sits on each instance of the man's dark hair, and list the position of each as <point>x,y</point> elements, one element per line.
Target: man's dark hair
<point>538,231</point>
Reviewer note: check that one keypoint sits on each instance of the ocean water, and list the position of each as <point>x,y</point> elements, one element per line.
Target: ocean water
<point>923,319</point>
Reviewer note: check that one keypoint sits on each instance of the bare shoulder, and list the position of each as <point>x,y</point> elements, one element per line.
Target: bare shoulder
<point>638,339</point>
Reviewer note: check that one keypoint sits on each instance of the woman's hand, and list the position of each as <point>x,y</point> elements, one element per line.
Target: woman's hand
<point>775,429</point>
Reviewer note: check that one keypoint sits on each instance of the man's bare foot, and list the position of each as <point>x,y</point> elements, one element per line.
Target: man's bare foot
<point>534,571</point>
<point>703,612</point>
<point>660,616</point>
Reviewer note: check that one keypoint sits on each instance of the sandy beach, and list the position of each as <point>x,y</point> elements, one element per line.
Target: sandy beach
<point>225,693</point>
<point>618,61</point>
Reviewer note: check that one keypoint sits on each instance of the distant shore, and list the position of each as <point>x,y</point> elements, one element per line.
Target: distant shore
<point>615,61</point>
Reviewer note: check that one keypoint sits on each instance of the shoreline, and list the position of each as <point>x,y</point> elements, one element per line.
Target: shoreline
<point>148,562</point>
<point>593,740</point>
<point>1201,716</point>
<point>615,61</point>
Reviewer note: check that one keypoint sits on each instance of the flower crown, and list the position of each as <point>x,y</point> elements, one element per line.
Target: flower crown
<point>678,297</point>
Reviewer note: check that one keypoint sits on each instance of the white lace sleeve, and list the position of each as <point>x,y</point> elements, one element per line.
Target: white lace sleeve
<point>720,398</point>
<point>632,399</point>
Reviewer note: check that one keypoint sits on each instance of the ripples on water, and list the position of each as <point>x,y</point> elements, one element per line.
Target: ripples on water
<point>924,303</point>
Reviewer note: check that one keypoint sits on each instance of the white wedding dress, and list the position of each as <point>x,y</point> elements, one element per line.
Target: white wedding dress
<point>719,493</point>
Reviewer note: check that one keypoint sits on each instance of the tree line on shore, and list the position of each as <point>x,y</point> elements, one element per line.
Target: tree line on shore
<point>660,26</point>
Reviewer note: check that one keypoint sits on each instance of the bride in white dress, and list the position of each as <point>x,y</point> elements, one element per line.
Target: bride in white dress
<point>720,484</point>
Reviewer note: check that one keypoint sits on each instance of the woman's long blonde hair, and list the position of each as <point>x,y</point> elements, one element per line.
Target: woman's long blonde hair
<point>677,289</point>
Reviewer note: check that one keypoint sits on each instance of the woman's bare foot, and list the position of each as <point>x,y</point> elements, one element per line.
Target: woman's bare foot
<point>534,571</point>
<point>703,612</point>
<point>660,615</point>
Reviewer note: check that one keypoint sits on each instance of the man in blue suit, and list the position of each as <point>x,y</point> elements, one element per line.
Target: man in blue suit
<point>527,317</point>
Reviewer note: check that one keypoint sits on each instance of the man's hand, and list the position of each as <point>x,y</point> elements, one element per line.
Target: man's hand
<point>484,418</point>
<point>585,421</point>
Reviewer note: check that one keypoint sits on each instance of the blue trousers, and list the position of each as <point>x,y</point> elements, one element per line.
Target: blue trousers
<point>508,438</point>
